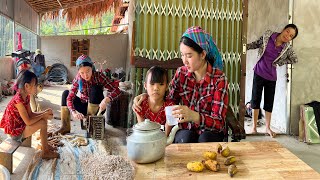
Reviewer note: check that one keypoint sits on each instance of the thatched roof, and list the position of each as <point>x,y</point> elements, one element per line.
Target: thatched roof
<point>75,11</point>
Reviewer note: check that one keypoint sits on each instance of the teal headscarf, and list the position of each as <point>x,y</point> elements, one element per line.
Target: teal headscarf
<point>205,41</point>
<point>83,59</point>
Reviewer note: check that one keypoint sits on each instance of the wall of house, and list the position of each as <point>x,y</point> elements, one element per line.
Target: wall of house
<point>306,73</point>
<point>113,48</point>
<point>6,68</point>
<point>7,8</point>
<point>263,15</point>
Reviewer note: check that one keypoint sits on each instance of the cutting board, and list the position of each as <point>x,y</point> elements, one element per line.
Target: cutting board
<point>255,160</point>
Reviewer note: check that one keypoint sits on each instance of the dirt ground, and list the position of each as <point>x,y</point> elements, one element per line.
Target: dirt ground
<point>50,97</point>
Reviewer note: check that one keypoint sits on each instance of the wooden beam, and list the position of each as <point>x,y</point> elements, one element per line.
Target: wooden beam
<point>60,3</point>
<point>243,63</point>
<point>142,62</point>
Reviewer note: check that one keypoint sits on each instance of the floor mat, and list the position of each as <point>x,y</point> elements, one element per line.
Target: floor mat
<point>72,159</point>
<point>66,167</point>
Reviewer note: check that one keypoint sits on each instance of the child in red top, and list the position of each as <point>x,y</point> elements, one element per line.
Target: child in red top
<point>156,85</point>
<point>20,122</point>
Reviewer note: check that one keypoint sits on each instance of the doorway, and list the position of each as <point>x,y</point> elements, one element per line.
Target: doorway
<point>260,19</point>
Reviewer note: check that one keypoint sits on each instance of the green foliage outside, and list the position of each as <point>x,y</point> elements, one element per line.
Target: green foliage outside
<point>88,27</point>
<point>6,36</point>
<point>29,39</point>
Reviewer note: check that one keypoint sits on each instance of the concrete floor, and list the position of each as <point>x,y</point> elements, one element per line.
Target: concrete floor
<point>51,97</point>
<point>261,126</point>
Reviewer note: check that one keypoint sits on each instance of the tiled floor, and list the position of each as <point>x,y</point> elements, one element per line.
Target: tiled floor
<point>51,97</point>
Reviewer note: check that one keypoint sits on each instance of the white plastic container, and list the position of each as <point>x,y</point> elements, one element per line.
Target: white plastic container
<point>172,121</point>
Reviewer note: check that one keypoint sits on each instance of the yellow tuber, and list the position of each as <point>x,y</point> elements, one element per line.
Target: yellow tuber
<point>195,166</point>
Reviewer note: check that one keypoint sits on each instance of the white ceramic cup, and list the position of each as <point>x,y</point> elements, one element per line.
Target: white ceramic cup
<point>170,119</point>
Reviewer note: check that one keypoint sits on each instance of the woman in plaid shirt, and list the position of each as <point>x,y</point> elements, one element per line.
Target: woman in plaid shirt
<point>86,94</point>
<point>201,88</point>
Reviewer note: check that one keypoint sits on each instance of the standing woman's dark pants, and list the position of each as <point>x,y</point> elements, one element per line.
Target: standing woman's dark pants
<point>259,83</point>
<point>189,136</point>
<point>96,96</point>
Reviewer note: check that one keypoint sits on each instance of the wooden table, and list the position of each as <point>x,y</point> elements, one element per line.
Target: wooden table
<point>255,160</point>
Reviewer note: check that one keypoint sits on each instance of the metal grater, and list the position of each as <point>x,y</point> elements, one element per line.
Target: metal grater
<point>97,126</point>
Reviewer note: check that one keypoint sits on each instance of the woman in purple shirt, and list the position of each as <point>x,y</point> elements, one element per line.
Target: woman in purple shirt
<point>274,49</point>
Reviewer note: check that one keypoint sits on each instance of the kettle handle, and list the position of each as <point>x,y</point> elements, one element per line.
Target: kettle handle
<point>172,134</point>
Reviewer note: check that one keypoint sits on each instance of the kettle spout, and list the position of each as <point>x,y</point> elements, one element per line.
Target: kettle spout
<point>172,134</point>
